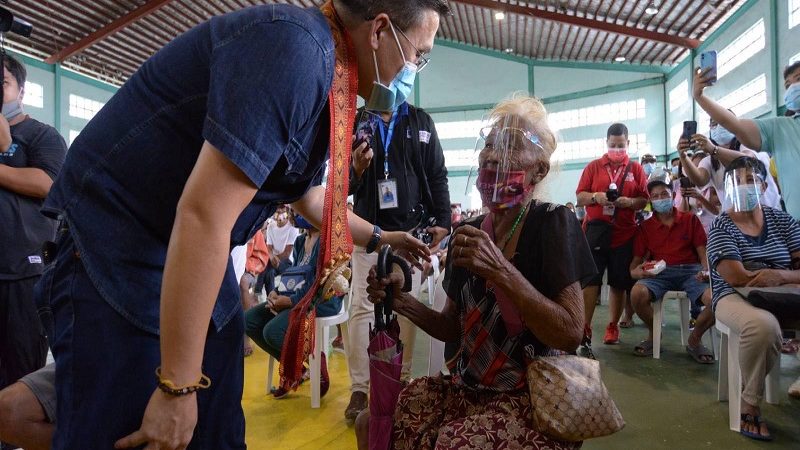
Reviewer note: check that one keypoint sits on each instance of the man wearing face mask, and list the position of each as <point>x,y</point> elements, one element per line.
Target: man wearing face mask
<point>777,135</point>
<point>31,155</point>
<point>206,139</point>
<point>678,239</point>
<point>610,224</point>
<point>398,182</point>
<point>648,162</point>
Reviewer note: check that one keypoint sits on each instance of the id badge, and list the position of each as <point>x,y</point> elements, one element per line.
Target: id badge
<point>608,210</point>
<point>387,193</point>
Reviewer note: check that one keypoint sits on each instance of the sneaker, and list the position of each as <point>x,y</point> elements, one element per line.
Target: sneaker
<point>358,402</point>
<point>338,344</point>
<point>324,379</point>
<point>612,334</point>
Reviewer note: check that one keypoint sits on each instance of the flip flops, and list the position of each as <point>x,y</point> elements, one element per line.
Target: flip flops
<point>698,352</point>
<point>645,348</point>
<point>754,420</point>
<point>627,323</point>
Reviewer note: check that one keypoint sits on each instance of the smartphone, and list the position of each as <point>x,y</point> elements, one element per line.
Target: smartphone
<point>365,130</point>
<point>686,183</point>
<point>689,129</point>
<point>708,60</point>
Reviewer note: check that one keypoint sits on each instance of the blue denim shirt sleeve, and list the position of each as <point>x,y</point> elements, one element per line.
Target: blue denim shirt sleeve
<point>255,109</point>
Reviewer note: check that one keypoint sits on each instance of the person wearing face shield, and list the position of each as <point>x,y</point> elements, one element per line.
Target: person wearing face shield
<point>777,135</point>
<point>31,156</point>
<point>513,280</point>
<point>226,122</point>
<point>752,245</point>
<point>610,225</point>
<point>722,147</point>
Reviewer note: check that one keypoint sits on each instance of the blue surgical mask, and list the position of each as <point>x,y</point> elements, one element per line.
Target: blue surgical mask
<point>748,197</point>
<point>675,170</point>
<point>662,206</point>
<point>389,98</point>
<point>12,109</point>
<point>792,97</point>
<point>649,168</point>
<point>721,136</point>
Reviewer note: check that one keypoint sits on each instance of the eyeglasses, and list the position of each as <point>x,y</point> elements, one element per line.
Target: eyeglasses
<point>422,59</point>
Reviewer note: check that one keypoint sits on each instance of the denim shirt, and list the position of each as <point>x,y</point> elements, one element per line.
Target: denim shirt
<point>254,83</point>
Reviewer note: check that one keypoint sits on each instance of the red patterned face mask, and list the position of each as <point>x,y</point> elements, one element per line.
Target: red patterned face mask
<point>617,155</point>
<point>502,190</point>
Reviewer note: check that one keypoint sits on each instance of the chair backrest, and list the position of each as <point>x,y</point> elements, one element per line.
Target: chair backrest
<point>439,296</point>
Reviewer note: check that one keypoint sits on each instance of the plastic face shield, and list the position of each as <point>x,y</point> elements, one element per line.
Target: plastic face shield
<point>503,151</point>
<point>744,188</point>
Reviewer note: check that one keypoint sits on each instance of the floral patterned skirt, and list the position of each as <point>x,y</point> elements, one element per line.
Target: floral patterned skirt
<point>436,413</point>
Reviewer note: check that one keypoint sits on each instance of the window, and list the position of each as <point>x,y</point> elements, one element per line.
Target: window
<point>679,95</point>
<point>794,58</point>
<point>34,95</point>
<point>72,135</point>
<point>675,132</point>
<point>600,114</point>
<point>459,130</point>
<point>594,148</point>
<point>460,158</point>
<point>794,13</point>
<point>83,108</point>
<point>748,97</point>
<point>741,49</point>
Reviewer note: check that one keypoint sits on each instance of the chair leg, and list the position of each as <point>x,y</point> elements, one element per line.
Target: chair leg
<point>658,307</point>
<point>270,370</point>
<point>326,340</point>
<point>685,306</point>
<point>773,383</point>
<point>316,371</point>
<point>734,383</point>
<point>722,383</point>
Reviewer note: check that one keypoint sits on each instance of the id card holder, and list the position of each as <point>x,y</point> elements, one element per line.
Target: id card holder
<point>608,210</point>
<point>387,193</point>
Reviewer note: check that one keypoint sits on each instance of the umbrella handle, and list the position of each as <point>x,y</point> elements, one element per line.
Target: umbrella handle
<point>386,262</point>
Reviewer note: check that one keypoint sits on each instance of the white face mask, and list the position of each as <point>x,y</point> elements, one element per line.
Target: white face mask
<point>12,109</point>
<point>721,136</point>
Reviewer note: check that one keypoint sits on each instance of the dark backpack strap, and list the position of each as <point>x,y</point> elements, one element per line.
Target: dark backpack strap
<point>622,187</point>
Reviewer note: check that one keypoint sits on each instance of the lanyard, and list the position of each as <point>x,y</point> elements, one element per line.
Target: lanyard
<point>386,136</point>
<point>614,177</point>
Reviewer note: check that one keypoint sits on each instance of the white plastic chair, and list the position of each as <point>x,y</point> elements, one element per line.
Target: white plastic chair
<point>321,339</point>
<point>684,308</point>
<point>436,355</point>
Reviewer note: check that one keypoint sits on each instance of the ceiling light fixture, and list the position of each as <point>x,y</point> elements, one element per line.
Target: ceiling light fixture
<point>500,15</point>
<point>509,50</point>
<point>651,10</point>
<point>619,59</point>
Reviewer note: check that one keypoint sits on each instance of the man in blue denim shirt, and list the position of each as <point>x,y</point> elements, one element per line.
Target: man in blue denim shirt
<point>224,123</point>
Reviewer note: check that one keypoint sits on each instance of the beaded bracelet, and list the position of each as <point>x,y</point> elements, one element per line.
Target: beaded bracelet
<point>168,387</point>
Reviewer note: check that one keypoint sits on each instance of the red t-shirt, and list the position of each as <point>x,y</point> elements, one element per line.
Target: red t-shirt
<point>596,177</point>
<point>676,244</point>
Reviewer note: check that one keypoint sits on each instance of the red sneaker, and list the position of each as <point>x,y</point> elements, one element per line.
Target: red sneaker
<point>612,334</point>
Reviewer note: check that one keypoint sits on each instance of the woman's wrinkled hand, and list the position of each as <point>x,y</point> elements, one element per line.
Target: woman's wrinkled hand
<point>376,287</point>
<point>475,251</point>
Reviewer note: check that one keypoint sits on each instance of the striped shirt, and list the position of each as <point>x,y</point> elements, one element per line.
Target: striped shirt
<point>779,238</point>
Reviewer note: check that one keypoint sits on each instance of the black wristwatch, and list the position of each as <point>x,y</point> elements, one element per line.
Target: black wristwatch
<point>372,245</point>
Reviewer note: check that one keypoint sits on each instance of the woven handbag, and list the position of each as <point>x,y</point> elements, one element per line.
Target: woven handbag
<point>569,400</point>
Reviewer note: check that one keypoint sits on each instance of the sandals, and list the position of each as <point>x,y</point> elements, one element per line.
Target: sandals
<point>754,420</point>
<point>645,348</point>
<point>627,323</point>
<point>697,353</point>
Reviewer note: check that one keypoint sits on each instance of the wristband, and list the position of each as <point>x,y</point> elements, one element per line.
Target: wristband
<point>594,200</point>
<point>377,233</point>
<point>168,387</point>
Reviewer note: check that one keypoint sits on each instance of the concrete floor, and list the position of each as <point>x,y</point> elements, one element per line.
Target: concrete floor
<point>667,404</point>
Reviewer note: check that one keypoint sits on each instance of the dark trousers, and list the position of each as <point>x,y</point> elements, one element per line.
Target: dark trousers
<point>105,370</point>
<point>23,345</point>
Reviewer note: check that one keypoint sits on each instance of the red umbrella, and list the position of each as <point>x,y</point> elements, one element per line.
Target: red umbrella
<point>385,356</point>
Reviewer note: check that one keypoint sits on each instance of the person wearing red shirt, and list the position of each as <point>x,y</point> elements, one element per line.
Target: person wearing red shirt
<point>678,239</point>
<point>628,177</point>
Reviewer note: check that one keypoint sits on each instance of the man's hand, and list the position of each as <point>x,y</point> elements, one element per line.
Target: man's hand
<point>438,233</point>
<point>601,199</point>
<point>639,273</point>
<point>624,202</point>
<point>274,261</point>
<point>766,278</point>
<point>362,156</point>
<point>683,146</point>
<point>168,423</point>
<point>702,80</point>
<point>5,134</point>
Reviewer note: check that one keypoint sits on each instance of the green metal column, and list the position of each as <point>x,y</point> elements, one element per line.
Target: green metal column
<point>531,82</point>
<point>692,57</point>
<point>57,101</point>
<point>772,44</point>
<point>417,95</point>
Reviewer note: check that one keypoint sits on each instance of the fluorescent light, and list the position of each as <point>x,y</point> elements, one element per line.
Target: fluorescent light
<point>500,15</point>
<point>509,50</point>
<point>619,59</point>
<point>651,10</point>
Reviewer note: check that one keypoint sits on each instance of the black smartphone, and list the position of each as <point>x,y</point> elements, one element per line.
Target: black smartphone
<point>686,183</point>
<point>689,129</point>
<point>365,130</point>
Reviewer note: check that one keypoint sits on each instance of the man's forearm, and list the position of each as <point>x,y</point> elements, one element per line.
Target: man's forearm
<point>188,299</point>
<point>27,181</point>
<point>747,135</point>
<point>584,198</point>
<point>694,173</point>
<point>790,276</point>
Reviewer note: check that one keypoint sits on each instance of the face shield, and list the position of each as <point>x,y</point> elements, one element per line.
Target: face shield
<point>504,152</point>
<point>744,188</point>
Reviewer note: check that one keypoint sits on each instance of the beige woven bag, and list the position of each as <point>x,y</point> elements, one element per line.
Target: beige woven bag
<point>569,400</point>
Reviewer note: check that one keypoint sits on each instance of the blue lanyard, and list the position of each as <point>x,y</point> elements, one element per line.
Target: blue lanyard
<point>386,136</point>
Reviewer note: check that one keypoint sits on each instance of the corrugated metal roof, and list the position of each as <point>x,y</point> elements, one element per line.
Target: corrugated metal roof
<point>124,33</point>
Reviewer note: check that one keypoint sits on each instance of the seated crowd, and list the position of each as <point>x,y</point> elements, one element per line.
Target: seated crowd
<point>522,276</point>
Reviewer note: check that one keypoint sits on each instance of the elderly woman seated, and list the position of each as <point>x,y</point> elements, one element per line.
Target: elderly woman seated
<point>513,281</point>
<point>751,245</point>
